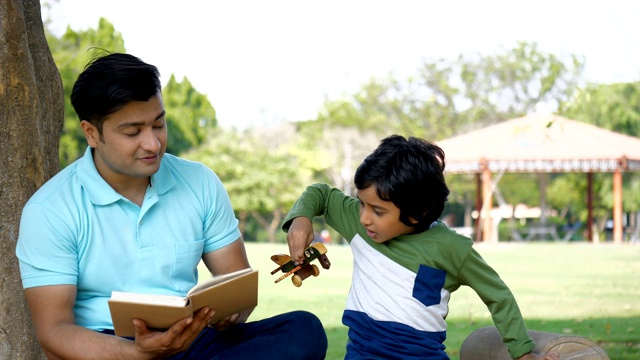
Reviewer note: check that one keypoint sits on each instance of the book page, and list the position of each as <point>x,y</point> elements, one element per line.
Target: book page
<point>152,299</point>
<point>229,297</point>
<point>217,280</point>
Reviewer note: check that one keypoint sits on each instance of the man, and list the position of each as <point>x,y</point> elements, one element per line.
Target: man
<point>128,217</point>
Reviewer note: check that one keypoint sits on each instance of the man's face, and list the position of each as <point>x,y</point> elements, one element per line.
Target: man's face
<point>380,218</point>
<point>133,141</point>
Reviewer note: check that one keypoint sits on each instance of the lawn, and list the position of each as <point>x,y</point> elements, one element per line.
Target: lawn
<point>566,288</point>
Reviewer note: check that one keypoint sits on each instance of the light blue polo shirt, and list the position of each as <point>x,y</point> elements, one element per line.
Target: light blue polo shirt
<point>77,230</point>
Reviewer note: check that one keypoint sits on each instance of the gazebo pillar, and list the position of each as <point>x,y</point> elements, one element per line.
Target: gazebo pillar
<point>617,206</point>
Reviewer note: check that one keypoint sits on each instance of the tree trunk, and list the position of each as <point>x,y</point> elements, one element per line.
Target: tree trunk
<point>31,119</point>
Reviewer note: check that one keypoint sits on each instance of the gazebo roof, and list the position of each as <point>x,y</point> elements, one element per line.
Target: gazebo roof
<point>541,143</point>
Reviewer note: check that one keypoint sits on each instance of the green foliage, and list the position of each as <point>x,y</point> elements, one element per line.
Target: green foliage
<point>259,171</point>
<point>71,52</point>
<point>190,115</point>
<point>631,191</point>
<point>332,153</point>
<point>568,191</point>
<point>615,107</point>
<point>341,113</point>
<point>510,84</point>
<point>520,188</point>
<point>265,174</point>
<point>447,97</point>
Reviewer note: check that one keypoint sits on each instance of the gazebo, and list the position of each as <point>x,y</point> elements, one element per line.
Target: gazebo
<point>541,143</point>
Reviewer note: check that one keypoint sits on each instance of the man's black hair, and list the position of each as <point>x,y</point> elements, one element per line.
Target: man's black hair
<point>110,82</point>
<point>409,173</point>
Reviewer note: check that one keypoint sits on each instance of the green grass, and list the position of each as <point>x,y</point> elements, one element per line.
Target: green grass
<point>566,288</point>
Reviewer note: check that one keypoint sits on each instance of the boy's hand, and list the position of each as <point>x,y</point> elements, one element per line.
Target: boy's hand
<point>532,356</point>
<point>299,237</point>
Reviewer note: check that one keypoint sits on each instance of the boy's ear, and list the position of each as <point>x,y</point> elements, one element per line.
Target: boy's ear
<point>413,221</point>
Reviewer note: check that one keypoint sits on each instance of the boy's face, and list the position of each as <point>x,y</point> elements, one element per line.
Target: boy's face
<point>133,141</point>
<point>380,218</point>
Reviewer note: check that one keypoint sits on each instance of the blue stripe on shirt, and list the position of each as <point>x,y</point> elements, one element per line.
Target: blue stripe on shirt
<point>371,339</point>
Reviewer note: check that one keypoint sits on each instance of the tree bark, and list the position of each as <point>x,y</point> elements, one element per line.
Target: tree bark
<point>31,119</point>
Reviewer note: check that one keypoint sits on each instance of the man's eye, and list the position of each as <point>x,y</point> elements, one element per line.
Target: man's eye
<point>132,134</point>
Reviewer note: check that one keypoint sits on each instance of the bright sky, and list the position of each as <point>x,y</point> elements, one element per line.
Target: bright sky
<point>264,61</point>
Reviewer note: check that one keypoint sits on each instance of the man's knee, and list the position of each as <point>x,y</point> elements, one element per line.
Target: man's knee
<point>308,332</point>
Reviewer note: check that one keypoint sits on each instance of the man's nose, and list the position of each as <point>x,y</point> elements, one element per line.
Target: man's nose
<point>150,141</point>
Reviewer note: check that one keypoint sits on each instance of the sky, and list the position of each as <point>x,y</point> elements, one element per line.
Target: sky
<point>260,62</point>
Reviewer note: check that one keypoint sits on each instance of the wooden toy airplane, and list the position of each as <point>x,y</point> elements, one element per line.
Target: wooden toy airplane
<point>304,270</point>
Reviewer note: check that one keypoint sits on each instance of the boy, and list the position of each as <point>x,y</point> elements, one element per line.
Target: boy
<point>406,263</point>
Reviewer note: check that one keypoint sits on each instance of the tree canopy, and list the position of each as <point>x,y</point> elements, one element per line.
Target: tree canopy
<point>71,52</point>
<point>447,97</point>
<point>261,175</point>
<point>264,169</point>
<point>190,115</point>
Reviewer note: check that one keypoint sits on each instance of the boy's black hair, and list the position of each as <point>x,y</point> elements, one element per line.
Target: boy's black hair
<point>110,82</point>
<point>409,173</point>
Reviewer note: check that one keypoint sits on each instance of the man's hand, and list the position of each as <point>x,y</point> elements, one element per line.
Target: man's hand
<point>299,237</point>
<point>238,318</point>
<point>153,344</point>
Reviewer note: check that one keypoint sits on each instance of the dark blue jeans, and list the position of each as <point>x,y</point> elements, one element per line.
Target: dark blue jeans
<point>295,335</point>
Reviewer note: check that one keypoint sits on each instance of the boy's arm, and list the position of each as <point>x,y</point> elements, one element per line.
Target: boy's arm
<point>297,224</point>
<point>52,313</point>
<point>502,305</point>
<point>299,237</point>
<point>311,203</point>
<point>340,211</point>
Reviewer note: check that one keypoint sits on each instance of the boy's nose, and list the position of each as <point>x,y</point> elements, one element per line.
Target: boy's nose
<point>364,218</point>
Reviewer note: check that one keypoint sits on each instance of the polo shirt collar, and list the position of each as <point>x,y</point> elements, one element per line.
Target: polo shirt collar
<point>163,179</point>
<point>98,190</point>
<point>101,193</point>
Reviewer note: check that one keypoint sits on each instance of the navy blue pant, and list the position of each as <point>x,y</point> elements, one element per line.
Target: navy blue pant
<point>294,335</point>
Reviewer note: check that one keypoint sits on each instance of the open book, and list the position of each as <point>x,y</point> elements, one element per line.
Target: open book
<point>227,294</point>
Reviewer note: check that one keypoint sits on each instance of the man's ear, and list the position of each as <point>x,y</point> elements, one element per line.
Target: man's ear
<point>90,133</point>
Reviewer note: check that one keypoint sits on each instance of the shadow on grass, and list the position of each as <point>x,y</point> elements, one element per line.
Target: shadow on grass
<point>618,337</point>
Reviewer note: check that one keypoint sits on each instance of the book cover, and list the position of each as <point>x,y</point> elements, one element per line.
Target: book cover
<point>227,294</point>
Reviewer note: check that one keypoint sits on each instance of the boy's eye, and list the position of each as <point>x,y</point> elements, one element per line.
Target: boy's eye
<point>132,133</point>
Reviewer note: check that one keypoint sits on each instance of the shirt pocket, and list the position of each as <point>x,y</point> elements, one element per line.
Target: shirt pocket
<point>428,285</point>
<point>187,258</point>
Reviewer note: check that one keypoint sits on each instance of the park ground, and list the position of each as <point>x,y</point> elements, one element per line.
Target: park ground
<point>574,288</point>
